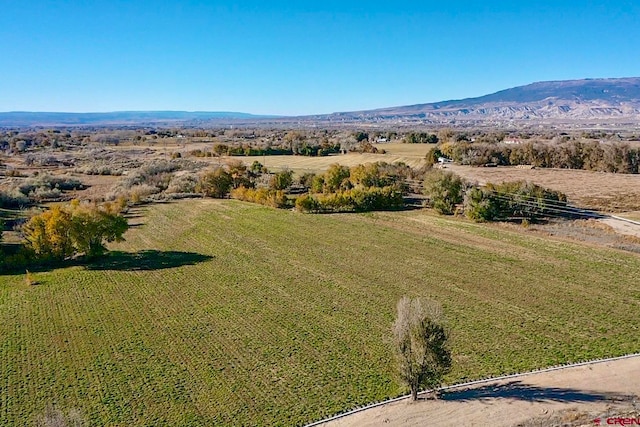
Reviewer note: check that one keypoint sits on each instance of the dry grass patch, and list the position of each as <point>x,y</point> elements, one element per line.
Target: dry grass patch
<point>597,190</point>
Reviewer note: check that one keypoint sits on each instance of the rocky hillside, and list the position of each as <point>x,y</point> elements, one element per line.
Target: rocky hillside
<point>580,100</point>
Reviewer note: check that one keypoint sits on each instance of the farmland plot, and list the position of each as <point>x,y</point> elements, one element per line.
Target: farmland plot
<point>222,312</point>
<point>410,154</point>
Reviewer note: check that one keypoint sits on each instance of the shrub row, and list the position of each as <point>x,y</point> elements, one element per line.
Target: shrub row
<point>303,149</point>
<point>358,199</point>
<point>263,196</point>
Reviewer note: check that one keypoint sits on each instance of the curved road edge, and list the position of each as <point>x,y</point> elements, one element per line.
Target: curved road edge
<point>469,384</point>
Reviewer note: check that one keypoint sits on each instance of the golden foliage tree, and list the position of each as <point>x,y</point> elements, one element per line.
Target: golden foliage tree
<point>59,233</point>
<point>48,234</point>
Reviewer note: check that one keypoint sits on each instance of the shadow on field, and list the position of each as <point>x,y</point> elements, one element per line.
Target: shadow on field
<point>146,260</point>
<point>124,261</point>
<point>518,390</point>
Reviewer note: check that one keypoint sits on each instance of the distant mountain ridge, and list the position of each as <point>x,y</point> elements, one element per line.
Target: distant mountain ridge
<point>586,101</point>
<point>570,100</point>
<point>584,90</point>
<point>27,118</point>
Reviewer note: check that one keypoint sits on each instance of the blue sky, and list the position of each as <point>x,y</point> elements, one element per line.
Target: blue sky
<point>300,57</point>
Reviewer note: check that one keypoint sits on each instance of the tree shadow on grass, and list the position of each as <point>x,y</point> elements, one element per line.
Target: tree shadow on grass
<point>518,390</point>
<point>124,261</point>
<point>146,260</point>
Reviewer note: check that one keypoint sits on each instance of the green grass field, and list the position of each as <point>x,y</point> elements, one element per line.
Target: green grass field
<point>222,312</point>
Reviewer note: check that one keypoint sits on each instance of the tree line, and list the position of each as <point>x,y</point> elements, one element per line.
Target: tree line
<point>373,186</point>
<point>592,155</point>
<point>448,194</point>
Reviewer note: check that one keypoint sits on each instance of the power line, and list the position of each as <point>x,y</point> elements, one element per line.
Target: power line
<point>561,212</point>
<point>554,203</point>
<point>550,206</point>
<point>533,198</point>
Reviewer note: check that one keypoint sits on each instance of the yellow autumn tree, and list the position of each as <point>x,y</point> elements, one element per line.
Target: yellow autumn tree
<point>48,234</point>
<point>59,233</point>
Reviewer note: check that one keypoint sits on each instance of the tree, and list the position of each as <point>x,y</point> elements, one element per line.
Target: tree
<point>281,180</point>
<point>482,205</point>
<point>62,232</point>
<point>220,149</point>
<point>48,234</point>
<point>306,180</point>
<point>239,174</point>
<point>444,189</point>
<point>361,136</point>
<point>420,340</point>
<point>508,200</point>
<point>216,183</point>
<point>445,134</point>
<point>335,178</point>
<point>1,253</point>
<point>307,203</point>
<point>421,138</point>
<point>378,174</point>
<point>92,226</point>
<point>317,184</point>
<point>257,168</point>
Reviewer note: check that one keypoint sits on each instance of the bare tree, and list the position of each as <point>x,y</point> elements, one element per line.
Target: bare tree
<point>55,417</point>
<point>421,344</point>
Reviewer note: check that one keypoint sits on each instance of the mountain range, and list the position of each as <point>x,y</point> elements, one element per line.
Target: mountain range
<point>568,100</point>
<point>614,100</point>
<point>119,118</point>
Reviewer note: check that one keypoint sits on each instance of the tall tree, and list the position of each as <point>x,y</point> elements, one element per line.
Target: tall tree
<point>421,340</point>
<point>48,234</point>
<point>92,227</point>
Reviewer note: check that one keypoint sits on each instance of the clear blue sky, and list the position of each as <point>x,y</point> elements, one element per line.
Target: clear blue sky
<point>300,57</point>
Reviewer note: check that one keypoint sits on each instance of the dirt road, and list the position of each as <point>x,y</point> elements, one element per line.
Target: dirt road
<point>622,226</point>
<point>598,390</point>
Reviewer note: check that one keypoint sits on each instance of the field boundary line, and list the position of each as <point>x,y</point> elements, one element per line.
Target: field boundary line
<point>472,383</point>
